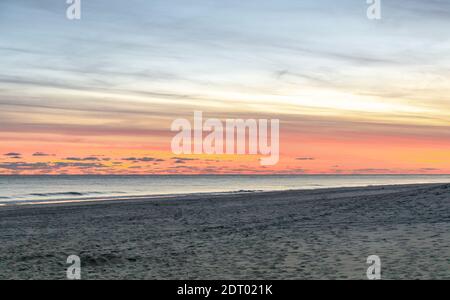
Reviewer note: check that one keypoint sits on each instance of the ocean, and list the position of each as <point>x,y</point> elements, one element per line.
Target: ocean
<point>48,189</point>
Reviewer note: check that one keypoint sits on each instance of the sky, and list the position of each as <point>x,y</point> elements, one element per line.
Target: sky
<point>98,95</point>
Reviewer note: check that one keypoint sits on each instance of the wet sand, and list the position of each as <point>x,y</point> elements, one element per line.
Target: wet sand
<point>315,234</point>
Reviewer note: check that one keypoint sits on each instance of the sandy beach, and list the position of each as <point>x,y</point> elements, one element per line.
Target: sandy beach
<point>314,234</point>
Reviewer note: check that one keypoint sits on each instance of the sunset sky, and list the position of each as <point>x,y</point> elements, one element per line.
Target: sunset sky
<point>98,95</point>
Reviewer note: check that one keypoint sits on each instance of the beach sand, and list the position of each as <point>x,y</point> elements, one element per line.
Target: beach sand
<point>315,234</point>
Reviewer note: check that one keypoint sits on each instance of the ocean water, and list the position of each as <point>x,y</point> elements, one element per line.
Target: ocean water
<point>45,189</point>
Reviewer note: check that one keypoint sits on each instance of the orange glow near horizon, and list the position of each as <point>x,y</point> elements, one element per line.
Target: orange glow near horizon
<point>301,153</point>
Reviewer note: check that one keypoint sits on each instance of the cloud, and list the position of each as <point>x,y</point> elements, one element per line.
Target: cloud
<point>22,166</point>
<point>12,154</point>
<point>78,165</point>
<point>48,167</point>
<point>305,158</point>
<point>186,168</point>
<point>296,171</point>
<point>89,158</point>
<point>372,170</point>
<point>135,167</point>
<point>183,158</point>
<point>42,154</point>
<point>142,159</point>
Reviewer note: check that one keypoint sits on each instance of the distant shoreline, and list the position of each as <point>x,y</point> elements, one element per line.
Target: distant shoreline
<point>214,195</point>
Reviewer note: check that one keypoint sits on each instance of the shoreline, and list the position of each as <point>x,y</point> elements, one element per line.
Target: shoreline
<point>306,234</point>
<point>159,197</point>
